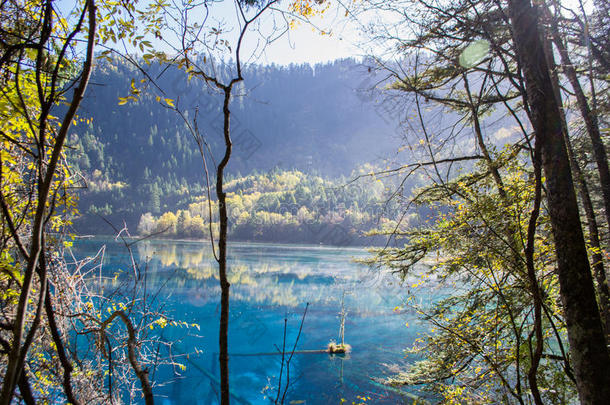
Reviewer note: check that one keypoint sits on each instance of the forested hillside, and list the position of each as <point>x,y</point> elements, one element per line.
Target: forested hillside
<point>139,156</point>
<point>284,206</point>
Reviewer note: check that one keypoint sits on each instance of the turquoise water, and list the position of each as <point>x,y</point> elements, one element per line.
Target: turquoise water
<point>269,282</point>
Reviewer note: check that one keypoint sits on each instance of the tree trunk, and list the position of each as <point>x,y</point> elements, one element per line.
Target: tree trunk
<point>590,120</point>
<point>223,356</point>
<point>583,191</point>
<point>587,343</point>
<point>598,261</point>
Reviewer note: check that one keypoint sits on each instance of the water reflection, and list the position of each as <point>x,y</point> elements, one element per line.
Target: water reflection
<point>268,283</point>
<point>262,274</point>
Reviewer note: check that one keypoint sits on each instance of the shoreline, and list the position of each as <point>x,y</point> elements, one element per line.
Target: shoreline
<point>231,242</point>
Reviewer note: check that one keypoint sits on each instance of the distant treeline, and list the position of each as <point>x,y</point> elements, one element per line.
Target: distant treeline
<point>282,206</point>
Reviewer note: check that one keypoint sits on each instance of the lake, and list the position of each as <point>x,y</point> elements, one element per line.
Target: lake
<point>268,283</point>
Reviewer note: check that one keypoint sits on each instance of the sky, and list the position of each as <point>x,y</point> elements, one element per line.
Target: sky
<point>306,45</point>
<point>302,43</point>
<point>322,39</point>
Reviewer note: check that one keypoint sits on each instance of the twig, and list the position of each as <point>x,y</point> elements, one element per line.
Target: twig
<point>292,353</point>
<point>279,384</point>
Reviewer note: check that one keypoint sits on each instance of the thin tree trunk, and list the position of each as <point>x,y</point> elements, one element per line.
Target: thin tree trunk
<point>222,253</point>
<point>491,165</point>
<point>61,352</point>
<point>132,344</point>
<point>536,354</point>
<point>585,333</point>
<point>598,261</point>
<point>589,118</point>
<point>583,190</point>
